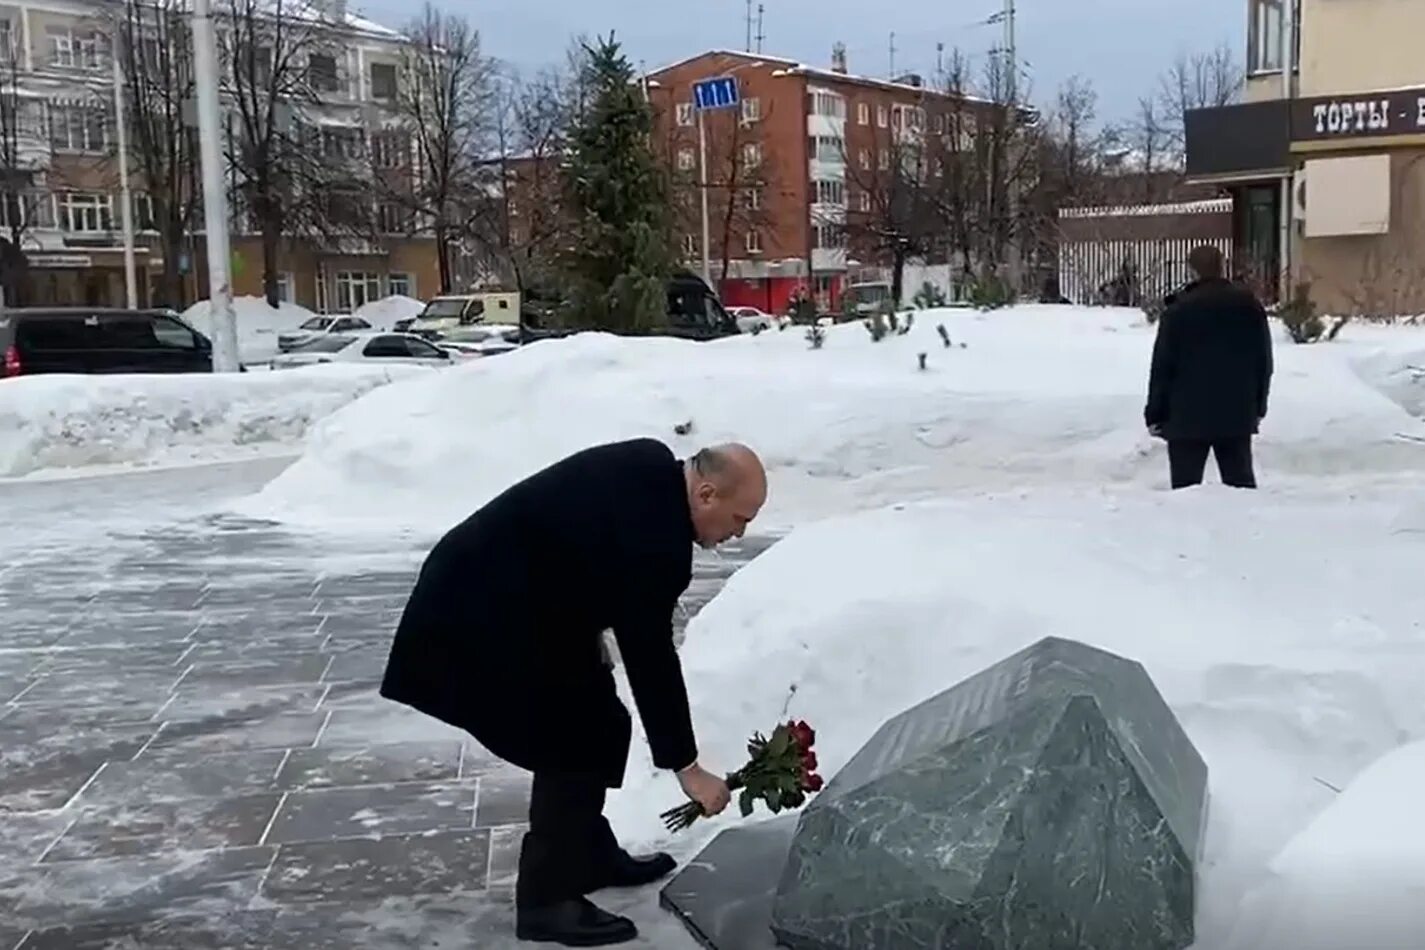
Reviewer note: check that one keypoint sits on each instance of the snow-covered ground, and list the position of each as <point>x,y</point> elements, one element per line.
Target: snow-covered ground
<point>258,325</point>
<point>943,519</point>
<point>62,422</point>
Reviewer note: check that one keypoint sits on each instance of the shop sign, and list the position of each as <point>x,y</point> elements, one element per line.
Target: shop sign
<point>1363,115</point>
<point>60,260</point>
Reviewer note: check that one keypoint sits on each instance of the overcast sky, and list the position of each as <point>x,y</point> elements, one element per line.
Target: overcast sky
<point>1121,45</point>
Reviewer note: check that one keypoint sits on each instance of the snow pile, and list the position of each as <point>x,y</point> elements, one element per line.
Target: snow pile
<point>52,422</point>
<point>1036,395</point>
<point>1292,666</point>
<point>257,324</point>
<point>1355,877</point>
<point>384,313</point>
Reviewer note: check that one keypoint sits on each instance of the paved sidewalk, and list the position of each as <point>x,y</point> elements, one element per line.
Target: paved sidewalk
<point>193,754</point>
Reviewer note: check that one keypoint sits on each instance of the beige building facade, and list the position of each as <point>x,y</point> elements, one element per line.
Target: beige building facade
<point>60,190</point>
<point>1325,158</point>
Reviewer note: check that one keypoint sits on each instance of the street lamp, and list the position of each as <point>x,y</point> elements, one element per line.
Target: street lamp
<point>215,200</point>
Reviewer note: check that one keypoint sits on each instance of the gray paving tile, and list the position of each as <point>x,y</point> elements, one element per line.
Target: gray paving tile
<point>364,663</point>
<point>214,735</point>
<point>360,721</point>
<point>460,921</point>
<point>91,688</point>
<point>360,870</point>
<point>157,778</point>
<point>134,655</point>
<point>243,930</point>
<point>275,672</point>
<point>505,844</point>
<point>46,767</point>
<point>257,624</point>
<point>323,814</point>
<point>205,701</point>
<point>175,886</point>
<point>65,717</point>
<point>327,766</point>
<point>504,799</point>
<point>137,828</point>
<point>10,939</point>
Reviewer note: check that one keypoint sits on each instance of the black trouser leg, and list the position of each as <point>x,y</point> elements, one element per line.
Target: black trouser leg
<point>1187,459</point>
<point>1234,461</point>
<point>560,853</point>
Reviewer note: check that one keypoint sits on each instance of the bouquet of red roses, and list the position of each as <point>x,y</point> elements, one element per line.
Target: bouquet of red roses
<point>780,771</point>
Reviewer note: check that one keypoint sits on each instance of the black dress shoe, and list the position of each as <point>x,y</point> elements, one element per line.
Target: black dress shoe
<point>628,871</point>
<point>573,923</point>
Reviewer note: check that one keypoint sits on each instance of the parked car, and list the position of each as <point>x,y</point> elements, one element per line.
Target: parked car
<point>100,340</point>
<point>363,347</point>
<point>751,320</point>
<point>479,340</point>
<point>319,326</point>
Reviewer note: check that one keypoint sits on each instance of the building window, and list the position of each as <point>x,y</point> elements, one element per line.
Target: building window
<point>752,154</point>
<point>321,72</point>
<point>356,289</point>
<point>390,149</point>
<point>883,161</point>
<point>85,212</point>
<point>830,192</point>
<point>863,201</point>
<point>7,42</point>
<point>284,287</point>
<point>751,110</point>
<point>754,242</point>
<point>342,143</point>
<point>392,218</point>
<point>826,148</point>
<point>690,246</point>
<point>143,213</point>
<point>897,118</point>
<point>828,104</point>
<point>685,160</point>
<point>383,81</point>
<point>71,50</point>
<point>881,116</point>
<point>829,236</point>
<point>863,113</point>
<point>1264,48</point>
<point>685,114</point>
<point>752,199</point>
<point>939,123</point>
<point>864,159</point>
<point>76,127</point>
<point>401,285</point>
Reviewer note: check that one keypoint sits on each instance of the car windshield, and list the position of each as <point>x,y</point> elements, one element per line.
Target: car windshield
<point>330,343</point>
<point>316,323</point>
<point>443,308</point>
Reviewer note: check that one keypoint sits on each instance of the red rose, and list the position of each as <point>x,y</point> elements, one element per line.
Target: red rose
<point>803,735</point>
<point>809,761</point>
<point>814,782</point>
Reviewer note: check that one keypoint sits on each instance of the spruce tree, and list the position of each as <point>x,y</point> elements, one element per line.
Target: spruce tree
<point>618,195</point>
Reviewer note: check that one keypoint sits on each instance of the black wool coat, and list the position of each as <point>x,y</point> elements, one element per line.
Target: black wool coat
<point>1212,364</point>
<point>501,636</point>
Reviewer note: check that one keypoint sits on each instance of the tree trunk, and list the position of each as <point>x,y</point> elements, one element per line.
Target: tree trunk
<point>442,255</point>
<point>897,275</point>
<point>171,283</point>
<point>271,234</point>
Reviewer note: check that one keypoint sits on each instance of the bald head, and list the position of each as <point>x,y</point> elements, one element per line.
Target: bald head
<point>727,487</point>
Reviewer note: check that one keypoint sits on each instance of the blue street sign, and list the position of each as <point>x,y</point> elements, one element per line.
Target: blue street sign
<point>719,93</point>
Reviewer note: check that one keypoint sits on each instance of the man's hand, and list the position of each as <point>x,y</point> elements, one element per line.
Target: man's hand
<point>705,788</point>
<point>1155,430</point>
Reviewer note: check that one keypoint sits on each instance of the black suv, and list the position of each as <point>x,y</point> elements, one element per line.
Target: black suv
<point>100,340</point>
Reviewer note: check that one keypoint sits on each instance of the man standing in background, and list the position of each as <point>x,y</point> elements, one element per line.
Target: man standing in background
<point>1212,369</point>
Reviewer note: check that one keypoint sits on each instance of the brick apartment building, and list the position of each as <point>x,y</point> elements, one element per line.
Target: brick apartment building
<point>57,79</point>
<point>789,169</point>
<point>1323,159</point>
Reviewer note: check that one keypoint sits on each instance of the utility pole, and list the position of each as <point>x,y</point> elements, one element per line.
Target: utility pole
<point>892,76</point>
<point>748,47</point>
<point>215,200</point>
<point>760,35</point>
<point>1011,55</point>
<point>940,63</point>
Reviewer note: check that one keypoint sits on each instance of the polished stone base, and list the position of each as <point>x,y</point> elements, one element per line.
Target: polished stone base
<point>724,895</point>
<point>1051,802</point>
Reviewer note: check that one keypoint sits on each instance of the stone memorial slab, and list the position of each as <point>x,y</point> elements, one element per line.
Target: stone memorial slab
<point>724,895</point>
<point>1050,801</point>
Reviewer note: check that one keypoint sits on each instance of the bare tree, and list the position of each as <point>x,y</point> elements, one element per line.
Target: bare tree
<point>21,134</point>
<point>291,177</point>
<point>1198,81</point>
<point>156,54</point>
<point>445,96</point>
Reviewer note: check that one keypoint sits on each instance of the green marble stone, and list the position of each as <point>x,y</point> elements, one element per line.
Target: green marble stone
<point>1050,802</point>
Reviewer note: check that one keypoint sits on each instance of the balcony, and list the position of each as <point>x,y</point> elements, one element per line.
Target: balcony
<point>1241,142</point>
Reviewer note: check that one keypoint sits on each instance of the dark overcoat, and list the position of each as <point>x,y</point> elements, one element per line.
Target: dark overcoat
<point>1212,364</point>
<point>501,635</point>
